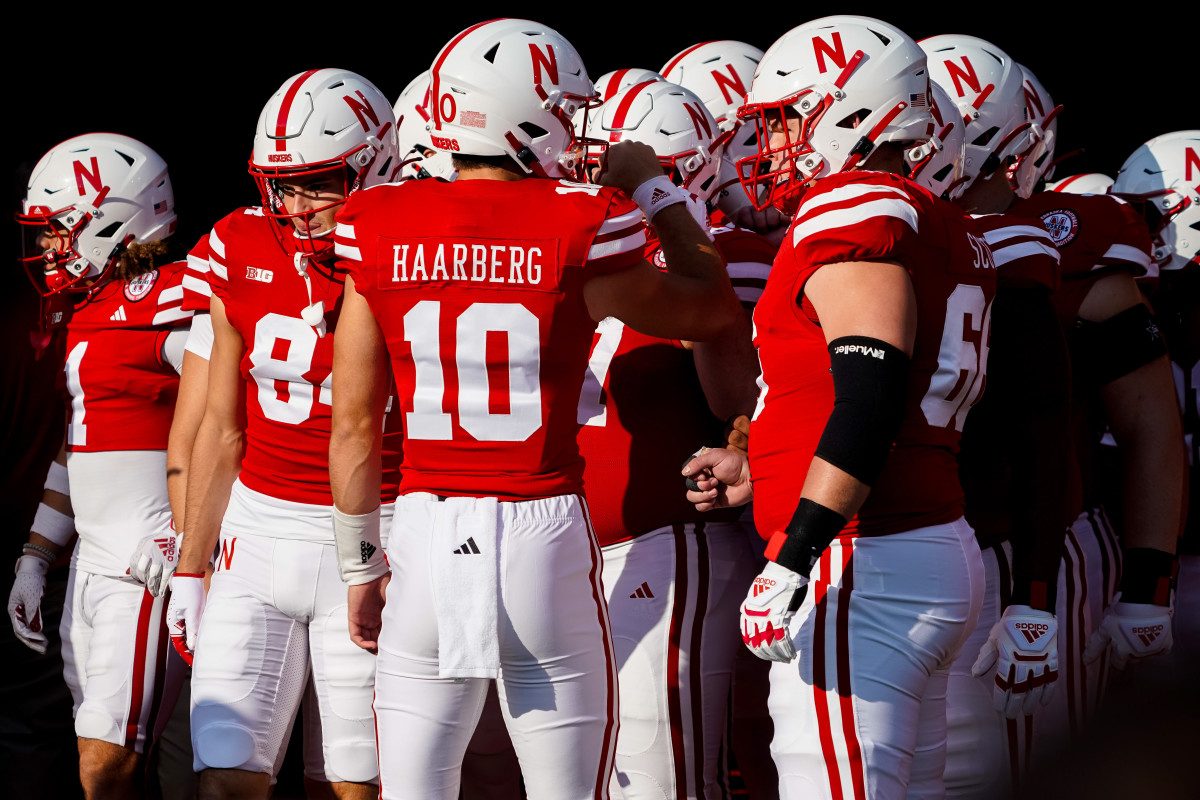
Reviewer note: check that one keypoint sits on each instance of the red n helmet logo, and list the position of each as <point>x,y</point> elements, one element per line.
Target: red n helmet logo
<point>547,60</point>
<point>959,75</point>
<point>1032,100</point>
<point>362,110</point>
<point>703,129</point>
<point>1190,159</point>
<point>93,177</point>
<point>732,82</point>
<point>836,52</point>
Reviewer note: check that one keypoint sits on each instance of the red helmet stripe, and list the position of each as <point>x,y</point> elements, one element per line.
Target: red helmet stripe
<point>675,61</point>
<point>286,108</point>
<point>435,82</point>
<point>614,85</point>
<point>624,106</point>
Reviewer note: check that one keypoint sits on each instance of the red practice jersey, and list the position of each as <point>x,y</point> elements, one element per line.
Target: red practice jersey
<point>643,410</point>
<point>477,287</point>
<point>287,364</point>
<point>872,216</point>
<point>122,391</point>
<point>1095,234</point>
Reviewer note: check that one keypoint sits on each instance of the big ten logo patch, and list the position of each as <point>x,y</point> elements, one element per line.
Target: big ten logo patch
<point>139,287</point>
<point>1062,225</point>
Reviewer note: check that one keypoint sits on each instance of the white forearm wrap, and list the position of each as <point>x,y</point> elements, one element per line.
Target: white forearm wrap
<point>656,194</point>
<point>54,525</point>
<point>360,554</point>
<point>56,479</point>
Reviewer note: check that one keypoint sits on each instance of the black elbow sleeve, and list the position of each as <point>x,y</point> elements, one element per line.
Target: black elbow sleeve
<point>1111,349</point>
<point>870,385</point>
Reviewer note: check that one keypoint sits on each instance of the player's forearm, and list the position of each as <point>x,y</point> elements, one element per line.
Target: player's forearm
<point>214,465</point>
<point>355,465</point>
<point>1144,417</point>
<point>185,425</point>
<point>728,368</point>
<point>690,255</point>
<point>834,488</point>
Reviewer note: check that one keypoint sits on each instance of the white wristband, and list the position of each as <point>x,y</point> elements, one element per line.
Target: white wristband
<point>56,479</point>
<point>54,525</point>
<point>656,194</point>
<point>360,554</point>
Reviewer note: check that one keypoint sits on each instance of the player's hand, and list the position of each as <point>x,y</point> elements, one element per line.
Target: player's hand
<point>366,612</point>
<point>25,601</point>
<point>1135,630</point>
<point>627,165</point>
<point>737,434</point>
<point>1022,651</point>
<point>153,562</point>
<point>183,612</point>
<point>721,478</point>
<point>768,608</point>
<point>765,222</point>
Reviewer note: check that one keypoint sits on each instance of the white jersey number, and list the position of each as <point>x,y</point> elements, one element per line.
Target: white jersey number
<point>592,408</point>
<point>429,419</point>
<point>77,433</point>
<point>962,359</point>
<point>281,359</point>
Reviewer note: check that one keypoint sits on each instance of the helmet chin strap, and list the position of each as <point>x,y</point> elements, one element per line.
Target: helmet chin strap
<point>314,313</point>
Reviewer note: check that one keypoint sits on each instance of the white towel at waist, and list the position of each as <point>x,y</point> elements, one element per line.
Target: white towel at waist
<point>465,574</point>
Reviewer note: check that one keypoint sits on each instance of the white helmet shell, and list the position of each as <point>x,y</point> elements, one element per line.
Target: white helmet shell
<point>941,172</point>
<point>418,156</point>
<point>1164,174</point>
<point>1084,183</point>
<point>510,87</point>
<point>106,190</point>
<point>1039,164</point>
<point>608,84</point>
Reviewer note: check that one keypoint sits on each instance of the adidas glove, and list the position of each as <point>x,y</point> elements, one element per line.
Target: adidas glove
<point>769,607</point>
<point>1135,631</point>
<point>1022,651</point>
<point>183,612</point>
<point>154,561</point>
<point>25,602</point>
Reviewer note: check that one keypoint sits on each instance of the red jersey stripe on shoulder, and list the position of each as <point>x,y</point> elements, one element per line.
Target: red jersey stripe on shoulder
<point>1006,254</point>
<point>435,84</point>
<point>845,194</point>
<point>621,222</point>
<point>286,107</point>
<point>675,61</point>
<point>634,240</point>
<point>883,208</point>
<point>1124,253</point>
<point>1002,234</point>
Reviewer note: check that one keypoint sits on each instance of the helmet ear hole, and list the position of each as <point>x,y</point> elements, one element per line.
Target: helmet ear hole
<point>110,230</point>
<point>533,131</point>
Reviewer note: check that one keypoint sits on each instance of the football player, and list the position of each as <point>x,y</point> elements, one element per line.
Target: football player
<point>99,214</point>
<point>276,608</point>
<point>1014,447</point>
<point>672,577</point>
<point>872,334</point>
<point>487,320</point>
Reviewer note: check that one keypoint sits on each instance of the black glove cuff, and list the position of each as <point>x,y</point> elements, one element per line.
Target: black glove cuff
<point>806,537</point>
<point>1146,576</point>
<point>1042,595</point>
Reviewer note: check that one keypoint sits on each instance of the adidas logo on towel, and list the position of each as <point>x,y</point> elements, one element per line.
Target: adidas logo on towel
<point>468,548</point>
<point>367,550</point>
<point>643,591</point>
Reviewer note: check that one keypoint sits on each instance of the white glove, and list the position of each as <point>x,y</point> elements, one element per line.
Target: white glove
<point>1022,648</point>
<point>183,613</point>
<point>153,562</point>
<point>25,601</point>
<point>769,607</point>
<point>1136,631</point>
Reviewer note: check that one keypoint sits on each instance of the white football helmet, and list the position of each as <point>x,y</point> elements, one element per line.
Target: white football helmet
<point>854,83</point>
<point>510,87</point>
<point>720,73</point>
<point>608,84</point>
<point>1039,164</point>
<point>92,196</point>
<point>322,120</point>
<point>1162,179</point>
<point>418,157</point>
<point>1085,183</point>
<point>674,122</point>
<point>987,87</point>
<point>941,171</point>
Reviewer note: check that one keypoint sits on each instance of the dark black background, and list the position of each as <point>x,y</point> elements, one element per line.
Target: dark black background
<point>192,89</point>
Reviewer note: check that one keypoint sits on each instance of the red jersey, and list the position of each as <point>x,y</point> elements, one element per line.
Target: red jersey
<point>478,289</point>
<point>1023,251</point>
<point>1096,234</point>
<point>872,216</point>
<point>287,364</point>
<point>122,391</point>
<point>643,410</point>
<point>196,288</point>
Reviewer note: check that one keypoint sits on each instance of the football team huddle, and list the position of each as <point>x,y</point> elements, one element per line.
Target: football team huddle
<point>408,444</point>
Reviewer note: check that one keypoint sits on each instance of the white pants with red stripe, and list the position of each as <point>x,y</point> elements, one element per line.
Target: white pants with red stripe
<point>861,713</point>
<point>557,681</point>
<point>673,595</point>
<point>1087,583</point>
<point>123,674</point>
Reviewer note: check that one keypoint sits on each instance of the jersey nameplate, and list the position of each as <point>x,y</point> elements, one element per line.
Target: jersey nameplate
<point>522,264</point>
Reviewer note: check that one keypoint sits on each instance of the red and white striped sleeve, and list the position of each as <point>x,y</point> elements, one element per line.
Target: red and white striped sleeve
<point>853,220</point>
<point>1024,253</point>
<point>620,240</point>
<point>1129,244</point>
<point>218,268</point>
<point>196,291</point>
<point>169,311</point>
<point>748,258</point>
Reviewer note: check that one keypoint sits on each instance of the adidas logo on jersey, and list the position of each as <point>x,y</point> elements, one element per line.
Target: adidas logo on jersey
<point>468,548</point>
<point>643,592</point>
<point>366,550</point>
<point>119,315</point>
